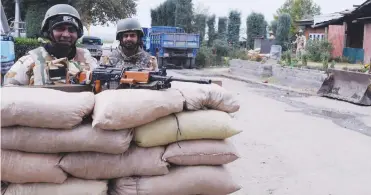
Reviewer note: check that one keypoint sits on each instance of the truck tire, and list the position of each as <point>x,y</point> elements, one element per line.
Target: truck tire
<point>188,63</point>
<point>193,63</point>
<point>160,62</point>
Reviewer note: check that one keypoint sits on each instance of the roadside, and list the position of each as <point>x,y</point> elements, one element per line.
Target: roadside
<point>295,143</point>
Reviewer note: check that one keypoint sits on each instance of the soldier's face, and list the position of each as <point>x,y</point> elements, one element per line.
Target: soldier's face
<point>130,40</point>
<point>65,34</point>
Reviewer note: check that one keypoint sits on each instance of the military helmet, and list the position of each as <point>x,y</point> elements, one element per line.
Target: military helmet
<point>62,10</point>
<point>128,24</point>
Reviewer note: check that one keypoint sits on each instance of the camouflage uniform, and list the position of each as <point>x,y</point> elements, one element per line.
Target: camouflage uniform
<point>32,69</point>
<point>139,60</point>
<point>36,67</point>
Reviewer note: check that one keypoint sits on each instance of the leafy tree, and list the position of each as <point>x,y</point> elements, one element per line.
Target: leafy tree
<point>234,24</point>
<point>184,14</point>
<point>98,12</point>
<point>256,26</point>
<point>298,9</point>
<point>211,29</point>
<point>200,25</point>
<point>283,31</point>
<point>222,28</point>
<point>273,26</point>
<point>9,9</point>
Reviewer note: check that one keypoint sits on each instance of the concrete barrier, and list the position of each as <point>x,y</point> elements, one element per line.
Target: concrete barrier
<point>287,76</point>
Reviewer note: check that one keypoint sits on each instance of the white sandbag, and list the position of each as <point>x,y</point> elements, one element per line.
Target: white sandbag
<point>201,152</point>
<point>128,108</point>
<point>207,96</point>
<point>72,186</point>
<point>191,125</point>
<point>45,108</point>
<point>79,139</point>
<point>135,161</point>
<point>21,167</point>
<point>205,180</point>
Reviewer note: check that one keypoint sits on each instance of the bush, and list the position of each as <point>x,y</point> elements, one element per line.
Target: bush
<point>287,57</point>
<point>24,45</point>
<point>316,49</point>
<point>304,59</point>
<point>325,58</point>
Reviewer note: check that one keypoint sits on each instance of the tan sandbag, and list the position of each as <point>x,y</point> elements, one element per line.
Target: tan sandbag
<point>128,108</point>
<point>193,125</point>
<point>72,186</point>
<point>205,180</point>
<point>21,167</point>
<point>45,108</point>
<point>201,152</point>
<point>81,138</point>
<point>135,161</point>
<point>207,96</point>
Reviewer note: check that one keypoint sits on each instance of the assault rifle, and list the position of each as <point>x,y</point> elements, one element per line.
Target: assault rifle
<point>108,77</point>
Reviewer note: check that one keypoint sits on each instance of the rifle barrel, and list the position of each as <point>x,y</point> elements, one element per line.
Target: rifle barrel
<point>200,81</point>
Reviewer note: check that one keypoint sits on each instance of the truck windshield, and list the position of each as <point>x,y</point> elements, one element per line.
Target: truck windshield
<point>92,41</point>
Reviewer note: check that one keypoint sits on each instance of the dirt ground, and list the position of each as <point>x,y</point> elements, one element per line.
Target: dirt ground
<point>296,144</point>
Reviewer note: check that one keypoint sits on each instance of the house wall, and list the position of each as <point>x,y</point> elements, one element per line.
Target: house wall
<point>308,31</point>
<point>367,42</point>
<point>336,35</point>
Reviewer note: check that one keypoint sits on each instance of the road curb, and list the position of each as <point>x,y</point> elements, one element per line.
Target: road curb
<point>242,79</point>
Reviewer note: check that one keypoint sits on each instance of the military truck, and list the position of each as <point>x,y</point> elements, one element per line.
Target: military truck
<point>94,45</point>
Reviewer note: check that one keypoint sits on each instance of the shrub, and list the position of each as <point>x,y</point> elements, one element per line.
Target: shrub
<point>325,58</point>
<point>316,48</point>
<point>304,59</point>
<point>287,56</point>
<point>24,45</point>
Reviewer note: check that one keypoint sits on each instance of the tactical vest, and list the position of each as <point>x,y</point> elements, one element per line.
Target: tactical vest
<point>40,70</point>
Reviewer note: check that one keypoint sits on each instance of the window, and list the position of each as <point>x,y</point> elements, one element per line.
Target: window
<point>316,36</point>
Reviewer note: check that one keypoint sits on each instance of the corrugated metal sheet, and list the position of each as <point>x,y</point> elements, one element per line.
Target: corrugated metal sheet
<point>367,42</point>
<point>336,36</point>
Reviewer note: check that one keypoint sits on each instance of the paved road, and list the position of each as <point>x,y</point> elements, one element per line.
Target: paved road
<point>296,144</point>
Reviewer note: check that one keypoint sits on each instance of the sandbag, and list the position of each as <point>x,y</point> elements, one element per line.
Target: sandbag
<point>72,186</point>
<point>45,108</point>
<point>203,96</point>
<point>81,138</point>
<point>128,108</point>
<point>200,152</point>
<point>191,125</point>
<point>21,167</point>
<point>135,161</point>
<point>205,180</point>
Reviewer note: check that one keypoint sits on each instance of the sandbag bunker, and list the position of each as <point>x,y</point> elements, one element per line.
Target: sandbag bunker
<point>118,142</point>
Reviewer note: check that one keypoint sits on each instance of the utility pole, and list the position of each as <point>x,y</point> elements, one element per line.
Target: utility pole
<point>16,18</point>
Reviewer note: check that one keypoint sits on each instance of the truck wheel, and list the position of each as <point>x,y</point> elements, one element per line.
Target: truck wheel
<point>160,62</point>
<point>188,64</point>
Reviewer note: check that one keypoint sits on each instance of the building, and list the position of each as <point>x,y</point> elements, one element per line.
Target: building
<point>349,31</point>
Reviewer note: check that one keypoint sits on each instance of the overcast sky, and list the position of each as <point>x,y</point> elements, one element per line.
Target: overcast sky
<point>222,7</point>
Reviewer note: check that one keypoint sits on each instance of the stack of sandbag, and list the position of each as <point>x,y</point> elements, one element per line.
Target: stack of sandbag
<point>189,123</point>
<point>37,127</point>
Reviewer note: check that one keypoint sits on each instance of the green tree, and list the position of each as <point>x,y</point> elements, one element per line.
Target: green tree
<point>200,25</point>
<point>234,24</point>
<point>211,30</point>
<point>98,12</point>
<point>298,9</point>
<point>283,31</point>
<point>273,26</point>
<point>9,9</point>
<point>256,27</point>
<point>222,28</point>
<point>34,15</point>
<point>184,14</point>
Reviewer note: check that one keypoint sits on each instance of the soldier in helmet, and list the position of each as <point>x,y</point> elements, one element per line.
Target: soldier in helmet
<point>58,59</point>
<point>130,53</point>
